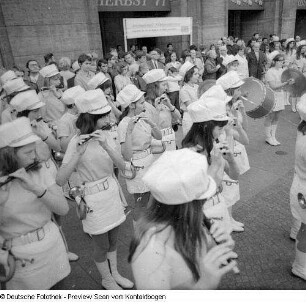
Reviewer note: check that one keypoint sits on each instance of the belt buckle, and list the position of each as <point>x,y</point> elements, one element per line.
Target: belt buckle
<point>105,184</point>
<point>236,154</point>
<point>40,233</point>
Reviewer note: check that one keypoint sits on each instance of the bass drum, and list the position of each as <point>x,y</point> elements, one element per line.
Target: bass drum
<point>260,99</point>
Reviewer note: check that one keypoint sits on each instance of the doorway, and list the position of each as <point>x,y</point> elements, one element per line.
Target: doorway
<point>300,28</point>
<point>111,24</point>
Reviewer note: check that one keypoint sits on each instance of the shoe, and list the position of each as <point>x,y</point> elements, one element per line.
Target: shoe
<point>237,223</point>
<point>72,257</point>
<point>270,141</point>
<point>237,229</point>
<point>276,142</point>
<point>108,282</point>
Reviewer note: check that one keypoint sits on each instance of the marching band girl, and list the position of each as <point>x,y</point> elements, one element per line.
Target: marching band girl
<point>94,160</point>
<point>26,206</point>
<point>136,131</point>
<point>171,248</point>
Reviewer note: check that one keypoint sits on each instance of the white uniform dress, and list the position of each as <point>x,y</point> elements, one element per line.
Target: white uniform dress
<point>274,75</point>
<point>102,191</point>
<point>20,216</point>
<point>142,155</point>
<point>187,93</point>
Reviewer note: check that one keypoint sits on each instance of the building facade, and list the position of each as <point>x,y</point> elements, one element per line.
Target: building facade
<point>31,28</point>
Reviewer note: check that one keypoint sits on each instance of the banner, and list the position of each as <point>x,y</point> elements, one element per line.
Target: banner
<point>134,5</point>
<point>157,27</point>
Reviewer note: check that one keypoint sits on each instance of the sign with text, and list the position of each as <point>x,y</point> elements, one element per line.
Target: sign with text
<point>301,4</point>
<point>133,5</point>
<point>157,27</point>
<point>246,5</point>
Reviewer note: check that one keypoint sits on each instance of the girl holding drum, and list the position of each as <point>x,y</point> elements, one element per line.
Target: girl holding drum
<point>94,161</point>
<point>273,79</point>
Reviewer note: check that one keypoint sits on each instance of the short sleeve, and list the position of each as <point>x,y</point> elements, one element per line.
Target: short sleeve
<point>184,96</point>
<point>71,150</point>
<point>122,129</point>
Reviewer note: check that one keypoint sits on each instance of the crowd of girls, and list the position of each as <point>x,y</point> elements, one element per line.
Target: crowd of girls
<point>89,138</point>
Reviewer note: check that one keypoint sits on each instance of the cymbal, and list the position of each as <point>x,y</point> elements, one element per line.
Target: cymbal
<point>299,86</point>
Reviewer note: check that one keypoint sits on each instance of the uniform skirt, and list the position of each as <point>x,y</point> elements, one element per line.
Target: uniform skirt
<point>231,190</point>
<point>297,187</point>
<point>279,100</point>
<point>104,202</point>
<point>216,209</point>
<point>136,185</point>
<point>50,264</point>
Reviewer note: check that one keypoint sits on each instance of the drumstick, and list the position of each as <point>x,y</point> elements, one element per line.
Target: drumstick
<point>245,99</point>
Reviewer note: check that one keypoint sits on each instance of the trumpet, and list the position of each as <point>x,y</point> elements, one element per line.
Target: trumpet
<point>35,165</point>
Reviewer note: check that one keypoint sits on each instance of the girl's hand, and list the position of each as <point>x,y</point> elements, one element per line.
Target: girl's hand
<point>220,233</point>
<point>237,94</point>
<point>39,129</point>
<point>216,168</point>
<point>227,154</point>
<point>131,125</point>
<point>26,182</point>
<point>101,137</point>
<point>215,265</point>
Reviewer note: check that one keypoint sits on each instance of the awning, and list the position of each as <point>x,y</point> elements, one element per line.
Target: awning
<point>246,5</point>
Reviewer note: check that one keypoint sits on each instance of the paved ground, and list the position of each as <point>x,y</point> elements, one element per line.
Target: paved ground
<point>265,250</point>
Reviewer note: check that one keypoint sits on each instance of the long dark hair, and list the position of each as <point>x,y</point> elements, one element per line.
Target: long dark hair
<point>8,161</point>
<point>302,127</point>
<point>87,122</point>
<point>186,221</point>
<point>202,134</point>
<point>152,92</point>
<point>189,74</point>
<point>298,52</point>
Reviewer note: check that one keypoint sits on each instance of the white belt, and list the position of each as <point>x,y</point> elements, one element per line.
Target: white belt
<point>96,188</point>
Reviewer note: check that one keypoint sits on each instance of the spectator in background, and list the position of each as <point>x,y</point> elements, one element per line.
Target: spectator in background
<point>130,60</point>
<point>122,79</point>
<point>297,40</point>
<point>133,48</point>
<point>84,75</point>
<point>210,66</point>
<point>232,49</point>
<point>18,71</point>
<point>173,62</point>
<point>197,62</point>
<point>94,61</point>
<point>64,65</point>
<point>223,54</point>
<point>141,57</point>
<point>145,50</point>
<point>112,62</point>
<point>243,68</point>
<point>33,78</point>
<point>154,63</point>
<point>256,62</point>
<point>102,67</point>
<point>75,68</point>
<point>168,52</point>
<point>49,59</point>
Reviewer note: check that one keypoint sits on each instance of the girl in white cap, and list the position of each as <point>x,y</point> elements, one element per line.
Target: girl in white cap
<point>27,203</point>
<point>188,93</point>
<point>51,95</point>
<point>136,131</point>
<point>157,85</point>
<point>209,118</point>
<point>29,105</point>
<point>298,194</point>
<point>171,248</point>
<point>236,136</point>
<point>273,78</point>
<point>94,159</point>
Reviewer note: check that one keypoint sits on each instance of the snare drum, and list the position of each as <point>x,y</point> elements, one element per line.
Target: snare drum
<point>260,98</point>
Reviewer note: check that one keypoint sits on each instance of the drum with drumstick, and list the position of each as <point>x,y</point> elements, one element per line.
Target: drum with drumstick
<point>258,99</point>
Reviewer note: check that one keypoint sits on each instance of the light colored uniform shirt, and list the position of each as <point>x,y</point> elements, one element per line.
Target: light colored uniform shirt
<point>188,93</point>
<point>66,125</point>
<point>54,108</point>
<point>95,163</point>
<point>243,67</point>
<point>23,212</point>
<point>141,135</point>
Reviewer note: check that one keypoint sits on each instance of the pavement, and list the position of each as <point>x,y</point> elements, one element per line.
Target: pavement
<point>264,248</point>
